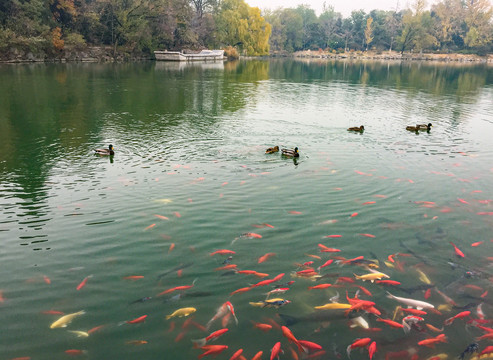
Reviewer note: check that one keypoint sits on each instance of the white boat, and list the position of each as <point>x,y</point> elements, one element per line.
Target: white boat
<point>204,55</point>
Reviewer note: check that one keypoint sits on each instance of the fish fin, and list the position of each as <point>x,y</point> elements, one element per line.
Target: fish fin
<point>348,350</point>
<point>419,308</point>
<point>198,343</point>
<point>389,295</point>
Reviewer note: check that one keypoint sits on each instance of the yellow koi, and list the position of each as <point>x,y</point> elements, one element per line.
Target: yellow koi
<point>79,333</point>
<point>66,319</point>
<point>423,277</point>
<point>371,276</point>
<point>182,312</point>
<point>333,306</point>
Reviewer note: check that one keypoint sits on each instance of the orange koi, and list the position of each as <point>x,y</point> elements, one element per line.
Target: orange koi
<point>252,235</point>
<point>265,257</point>
<point>433,328</point>
<point>463,201</point>
<point>314,256</point>
<point>150,227</point>
<point>413,311</point>
<point>367,235</point>
<point>319,286</point>
<point>327,263</point>
<point>387,282</point>
<point>227,267</point>
<point>457,250</point>
<point>391,323</point>
<point>294,212</point>
<point>369,203</point>
<point>333,236</point>
<point>324,248</point>
<point>83,283</point>
<point>268,225</point>
<point>212,336</point>
<point>427,293</point>
<point>46,279</point>
<point>432,341</point>
<point>171,247</point>
<point>176,288</point>
<point>365,290</point>
<point>487,350</point>
<point>291,338</point>
<point>222,252</point>
<point>261,326</point>
<point>477,243</point>
<point>161,217</point>
<point>133,277</point>
<point>391,258</point>
<point>245,289</point>
<point>354,214</point>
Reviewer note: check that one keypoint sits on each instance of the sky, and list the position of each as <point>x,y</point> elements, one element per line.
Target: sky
<point>342,6</point>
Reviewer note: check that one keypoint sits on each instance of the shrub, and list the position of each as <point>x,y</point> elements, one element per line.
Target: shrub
<point>75,41</point>
<point>231,52</point>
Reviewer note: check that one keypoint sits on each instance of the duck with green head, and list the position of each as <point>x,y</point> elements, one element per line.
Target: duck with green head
<point>108,151</point>
<point>290,152</point>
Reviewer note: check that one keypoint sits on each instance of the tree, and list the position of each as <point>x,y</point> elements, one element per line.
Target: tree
<point>448,16</point>
<point>368,32</point>
<point>329,26</point>
<point>416,33</point>
<point>478,20</point>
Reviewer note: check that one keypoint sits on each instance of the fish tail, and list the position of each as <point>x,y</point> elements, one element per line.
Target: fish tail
<point>390,296</point>
<point>348,350</point>
<point>168,317</point>
<point>198,343</point>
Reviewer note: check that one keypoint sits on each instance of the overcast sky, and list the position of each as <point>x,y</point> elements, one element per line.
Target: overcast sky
<point>342,6</point>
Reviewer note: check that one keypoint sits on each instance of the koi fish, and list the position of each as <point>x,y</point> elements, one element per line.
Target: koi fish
<point>332,236</point>
<point>309,346</point>
<point>460,315</point>
<point>136,320</point>
<point>472,348</point>
<point>74,352</point>
<point>357,344</point>
<point>237,355</point>
<point>327,263</point>
<point>267,282</point>
<point>391,323</point>
<point>277,303</point>
<point>252,235</point>
<point>245,289</point>
<point>275,351</point>
<point>294,212</point>
<point>319,286</point>
<point>291,338</point>
<point>52,312</point>
<point>46,279</point>
<point>387,282</point>
<point>372,349</point>
<point>83,283</point>
<point>150,227</point>
<point>475,244</point>
<point>432,341</point>
<point>418,304</point>
<point>212,350</point>
<point>226,267</point>
<point>372,276</point>
<point>265,257</point>
<point>222,252</point>
<point>368,235</point>
<point>459,253</point>
<point>324,248</point>
<point>177,288</point>
<point>161,217</point>
<point>171,247</point>
<point>94,329</point>
<point>133,277</point>
<point>261,326</point>
<point>258,356</point>
<point>79,333</point>
<point>212,336</point>
<point>181,312</point>
<point>66,319</point>
<point>333,306</point>
<point>136,342</point>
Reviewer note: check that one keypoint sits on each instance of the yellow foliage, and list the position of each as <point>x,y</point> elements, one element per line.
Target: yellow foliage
<point>56,38</point>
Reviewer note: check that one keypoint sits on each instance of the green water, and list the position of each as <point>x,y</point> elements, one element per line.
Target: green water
<point>190,143</point>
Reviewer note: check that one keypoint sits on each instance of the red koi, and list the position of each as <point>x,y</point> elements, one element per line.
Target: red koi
<point>365,290</point>
<point>252,235</point>
<point>414,311</point>
<point>236,355</point>
<point>427,293</point>
<point>176,288</point>
<point>241,290</point>
<point>477,243</point>
<point>161,217</point>
<point>344,279</point>
<point>372,349</point>
<point>310,346</point>
<point>291,338</point>
<point>74,352</point>
<point>357,344</point>
<point>460,315</point>
<point>483,295</point>
<point>226,267</point>
<point>258,356</point>
<point>457,250</point>
<point>46,279</point>
<point>319,286</point>
<point>275,351</point>
<point>133,277</point>
<point>171,247</point>
<point>268,225</point>
<point>354,214</point>
<point>265,257</point>
<point>212,350</point>
<point>332,236</point>
<point>137,320</point>
<point>324,248</point>
<point>487,350</point>
<point>368,235</point>
<point>369,203</point>
<point>83,283</point>
<point>432,341</point>
<point>223,252</point>
<point>349,261</point>
<point>387,282</point>
<point>327,263</point>
<point>488,336</point>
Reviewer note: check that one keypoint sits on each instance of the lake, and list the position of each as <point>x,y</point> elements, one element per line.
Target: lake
<point>114,236</point>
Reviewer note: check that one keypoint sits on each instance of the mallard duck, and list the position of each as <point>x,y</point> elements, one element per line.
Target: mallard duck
<point>360,128</point>
<point>290,152</point>
<point>272,150</point>
<point>412,128</point>
<point>108,151</point>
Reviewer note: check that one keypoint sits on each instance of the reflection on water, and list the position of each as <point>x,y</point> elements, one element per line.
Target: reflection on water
<point>190,175</point>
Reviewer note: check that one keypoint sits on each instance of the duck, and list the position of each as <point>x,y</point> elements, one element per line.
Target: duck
<point>272,150</point>
<point>108,151</point>
<point>360,128</point>
<point>424,126</point>
<point>290,152</point>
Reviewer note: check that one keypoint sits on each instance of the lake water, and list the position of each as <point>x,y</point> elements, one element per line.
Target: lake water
<point>190,146</point>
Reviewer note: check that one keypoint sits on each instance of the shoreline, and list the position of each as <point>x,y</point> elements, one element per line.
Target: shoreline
<point>101,54</point>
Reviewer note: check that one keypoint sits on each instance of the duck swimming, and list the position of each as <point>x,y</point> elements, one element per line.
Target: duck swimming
<point>290,152</point>
<point>272,150</point>
<point>360,128</point>
<point>108,151</point>
<point>419,127</point>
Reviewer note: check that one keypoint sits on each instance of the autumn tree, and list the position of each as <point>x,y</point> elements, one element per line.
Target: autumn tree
<point>478,17</point>
<point>368,32</point>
